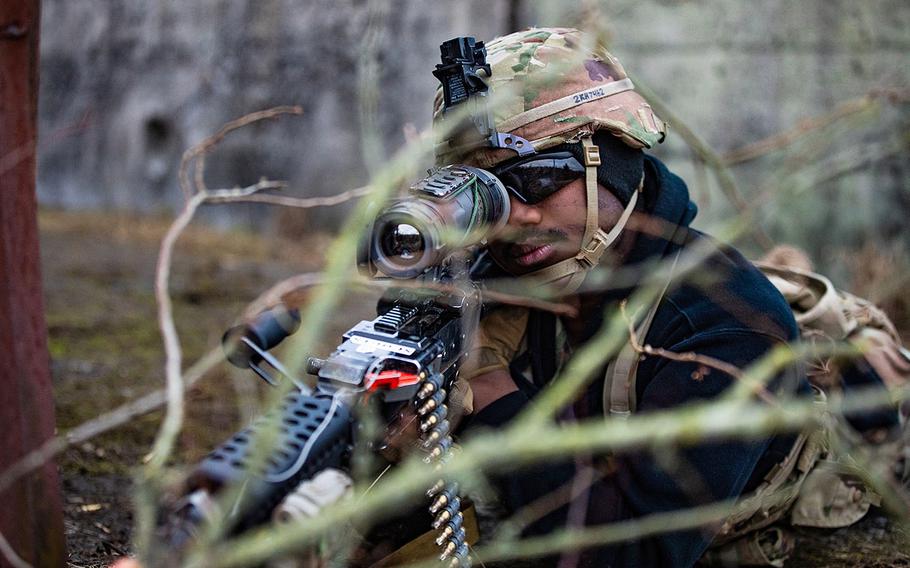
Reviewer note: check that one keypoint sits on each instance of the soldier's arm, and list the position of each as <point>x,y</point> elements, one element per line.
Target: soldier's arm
<point>490,387</point>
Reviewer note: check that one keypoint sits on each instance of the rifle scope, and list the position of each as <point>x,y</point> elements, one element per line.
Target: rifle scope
<point>453,208</point>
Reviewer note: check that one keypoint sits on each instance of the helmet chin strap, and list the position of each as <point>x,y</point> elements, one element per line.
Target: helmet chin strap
<point>566,276</point>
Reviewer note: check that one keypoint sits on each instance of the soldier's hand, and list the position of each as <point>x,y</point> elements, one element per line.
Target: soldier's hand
<point>402,435</point>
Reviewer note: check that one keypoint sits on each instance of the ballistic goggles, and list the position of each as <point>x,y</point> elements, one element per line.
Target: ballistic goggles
<point>533,179</point>
<point>459,206</point>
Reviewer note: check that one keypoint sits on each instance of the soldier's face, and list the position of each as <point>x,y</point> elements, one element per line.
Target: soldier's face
<point>551,230</point>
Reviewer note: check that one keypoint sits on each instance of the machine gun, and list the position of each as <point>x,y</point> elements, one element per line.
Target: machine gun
<point>407,355</point>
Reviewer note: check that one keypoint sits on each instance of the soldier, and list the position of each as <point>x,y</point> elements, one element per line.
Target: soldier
<point>588,196</point>
<point>566,139</point>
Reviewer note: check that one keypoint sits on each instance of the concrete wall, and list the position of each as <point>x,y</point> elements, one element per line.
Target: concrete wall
<point>128,85</point>
<point>738,72</point>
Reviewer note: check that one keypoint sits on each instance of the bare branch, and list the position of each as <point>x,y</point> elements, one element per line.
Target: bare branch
<point>369,77</point>
<point>807,126</point>
<point>309,202</point>
<point>173,419</point>
<point>199,175</point>
<point>689,357</point>
<point>173,355</point>
<point>581,368</point>
<point>14,559</point>
<point>279,293</point>
<point>199,151</point>
<point>829,170</point>
<point>549,502</point>
<point>684,426</point>
<point>503,297</point>
<point>575,539</point>
<point>557,308</point>
<point>104,423</point>
<point>722,173</point>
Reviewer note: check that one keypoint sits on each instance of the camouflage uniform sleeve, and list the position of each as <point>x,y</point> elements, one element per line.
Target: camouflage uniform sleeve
<point>497,342</point>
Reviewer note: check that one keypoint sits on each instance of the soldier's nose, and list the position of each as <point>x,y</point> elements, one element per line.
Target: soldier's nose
<point>524,214</point>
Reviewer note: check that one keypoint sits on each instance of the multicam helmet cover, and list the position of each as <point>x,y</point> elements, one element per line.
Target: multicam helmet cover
<point>558,86</point>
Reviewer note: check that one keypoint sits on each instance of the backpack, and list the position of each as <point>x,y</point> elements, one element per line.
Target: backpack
<point>812,486</point>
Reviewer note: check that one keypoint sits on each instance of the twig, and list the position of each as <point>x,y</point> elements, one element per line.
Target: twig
<point>685,426</point>
<point>173,419</point>
<point>173,356</point>
<point>369,72</point>
<point>702,181</point>
<point>306,202</point>
<point>27,150</point>
<point>14,559</point>
<point>690,357</point>
<point>802,129</point>
<point>807,126</point>
<point>277,293</point>
<point>174,408</point>
<point>830,170</point>
<point>510,298</point>
<point>608,341</point>
<point>549,502</point>
<point>722,173</point>
<point>556,308</point>
<point>200,150</point>
<point>576,539</point>
<point>104,423</point>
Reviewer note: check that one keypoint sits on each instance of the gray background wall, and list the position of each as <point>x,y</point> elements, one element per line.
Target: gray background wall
<point>127,85</point>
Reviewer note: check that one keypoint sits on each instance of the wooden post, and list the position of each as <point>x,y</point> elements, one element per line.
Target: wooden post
<point>31,517</point>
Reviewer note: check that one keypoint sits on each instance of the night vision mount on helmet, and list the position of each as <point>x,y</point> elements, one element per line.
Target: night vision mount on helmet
<point>461,73</point>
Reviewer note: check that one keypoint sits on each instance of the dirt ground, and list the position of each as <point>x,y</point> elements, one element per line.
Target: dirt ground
<point>106,350</point>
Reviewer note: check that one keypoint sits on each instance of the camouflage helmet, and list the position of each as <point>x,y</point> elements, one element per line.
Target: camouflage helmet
<point>560,86</point>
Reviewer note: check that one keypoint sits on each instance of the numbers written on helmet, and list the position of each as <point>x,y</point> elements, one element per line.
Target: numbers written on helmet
<point>588,95</point>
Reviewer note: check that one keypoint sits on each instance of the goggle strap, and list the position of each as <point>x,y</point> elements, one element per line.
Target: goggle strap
<point>623,219</point>
<point>592,160</point>
<point>590,254</point>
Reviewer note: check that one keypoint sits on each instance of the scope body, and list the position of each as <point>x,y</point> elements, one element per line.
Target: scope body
<point>453,208</point>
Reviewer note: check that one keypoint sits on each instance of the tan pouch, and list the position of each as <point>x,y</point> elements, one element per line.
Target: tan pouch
<point>827,314</point>
<point>829,500</point>
<point>780,488</point>
<point>816,303</point>
<point>889,359</point>
<point>771,546</point>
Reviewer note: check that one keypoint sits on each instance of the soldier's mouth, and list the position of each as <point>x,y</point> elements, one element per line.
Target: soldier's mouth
<point>531,254</point>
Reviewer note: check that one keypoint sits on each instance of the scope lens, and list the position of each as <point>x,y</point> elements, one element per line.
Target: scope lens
<point>402,243</point>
